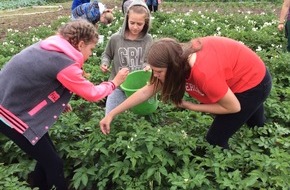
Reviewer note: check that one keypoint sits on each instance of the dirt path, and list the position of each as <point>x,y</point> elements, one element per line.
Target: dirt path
<point>24,19</point>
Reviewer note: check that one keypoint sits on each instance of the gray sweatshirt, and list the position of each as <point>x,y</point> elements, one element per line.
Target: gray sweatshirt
<point>121,52</point>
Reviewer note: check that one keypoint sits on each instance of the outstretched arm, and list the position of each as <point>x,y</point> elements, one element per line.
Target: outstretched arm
<point>283,14</point>
<point>138,97</point>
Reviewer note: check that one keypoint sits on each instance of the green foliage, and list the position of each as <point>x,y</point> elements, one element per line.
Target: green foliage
<point>8,178</point>
<point>7,4</point>
<point>167,150</point>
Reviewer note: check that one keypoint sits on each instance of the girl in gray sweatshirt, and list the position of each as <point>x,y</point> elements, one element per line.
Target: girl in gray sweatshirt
<point>127,48</point>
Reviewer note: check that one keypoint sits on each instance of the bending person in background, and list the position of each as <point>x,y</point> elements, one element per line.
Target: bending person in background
<point>76,3</point>
<point>127,48</point>
<point>225,76</point>
<point>284,21</point>
<point>94,12</point>
<point>31,100</point>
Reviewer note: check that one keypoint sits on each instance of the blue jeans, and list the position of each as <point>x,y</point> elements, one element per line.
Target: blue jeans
<point>252,114</point>
<point>115,99</point>
<point>152,2</point>
<point>152,5</point>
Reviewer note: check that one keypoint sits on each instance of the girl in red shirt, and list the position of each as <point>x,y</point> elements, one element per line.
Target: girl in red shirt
<point>225,76</point>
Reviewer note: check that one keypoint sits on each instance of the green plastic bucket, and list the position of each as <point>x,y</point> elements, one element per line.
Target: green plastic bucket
<point>134,81</point>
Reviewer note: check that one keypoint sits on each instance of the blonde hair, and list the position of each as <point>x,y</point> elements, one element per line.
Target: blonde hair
<point>78,30</point>
<point>108,15</point>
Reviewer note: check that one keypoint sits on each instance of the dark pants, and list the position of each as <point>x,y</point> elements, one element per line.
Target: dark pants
<point>252,114</point>
<point>152,5</point>
<point>48,171</point>
<point>287,34</point>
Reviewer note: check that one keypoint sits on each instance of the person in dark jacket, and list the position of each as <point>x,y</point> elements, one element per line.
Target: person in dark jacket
<point>94,12</point>
<point>76,3</point>
<point>35,88</point>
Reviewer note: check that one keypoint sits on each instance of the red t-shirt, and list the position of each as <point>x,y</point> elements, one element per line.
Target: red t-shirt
<point>223,63</point>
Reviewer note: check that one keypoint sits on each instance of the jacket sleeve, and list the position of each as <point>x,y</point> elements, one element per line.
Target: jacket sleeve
<point>72,78</point>
<point>108,54</point>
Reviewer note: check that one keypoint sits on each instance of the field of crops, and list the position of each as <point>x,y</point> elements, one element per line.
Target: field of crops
<point>168,150</point>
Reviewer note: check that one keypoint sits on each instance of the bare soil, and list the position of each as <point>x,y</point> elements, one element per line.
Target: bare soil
<point>25,18</point>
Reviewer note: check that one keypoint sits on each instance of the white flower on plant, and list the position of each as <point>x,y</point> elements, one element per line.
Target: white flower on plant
<point>158,130</point>
<point>259,48</point>
<point>4,43</point>
<point>11,42</point>
<point>35,39</point>
<point>11,50</point>
<point>186,180</point>
<point>109,32</point>
<point>218,28</point>
<point>131,139</point>
<point>254,29</point>
<point>251,22</point>
<point>9,30</point>
<point>267,24</point>
<point>184,134</point>
<point>194,22</point>
<point>218,34</point>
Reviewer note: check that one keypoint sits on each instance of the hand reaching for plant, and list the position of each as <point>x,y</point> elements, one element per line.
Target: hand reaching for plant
<point>105,124</point>
<point>120,77</point>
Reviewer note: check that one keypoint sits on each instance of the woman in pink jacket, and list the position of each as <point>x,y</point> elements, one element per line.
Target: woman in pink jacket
<point>35,88</point>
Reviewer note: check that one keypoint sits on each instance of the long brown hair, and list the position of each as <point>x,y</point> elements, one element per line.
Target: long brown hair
<point>168,53</point>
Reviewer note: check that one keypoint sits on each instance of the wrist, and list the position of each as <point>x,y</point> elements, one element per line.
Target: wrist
<point>113,85</point>
<point>283,22</point>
